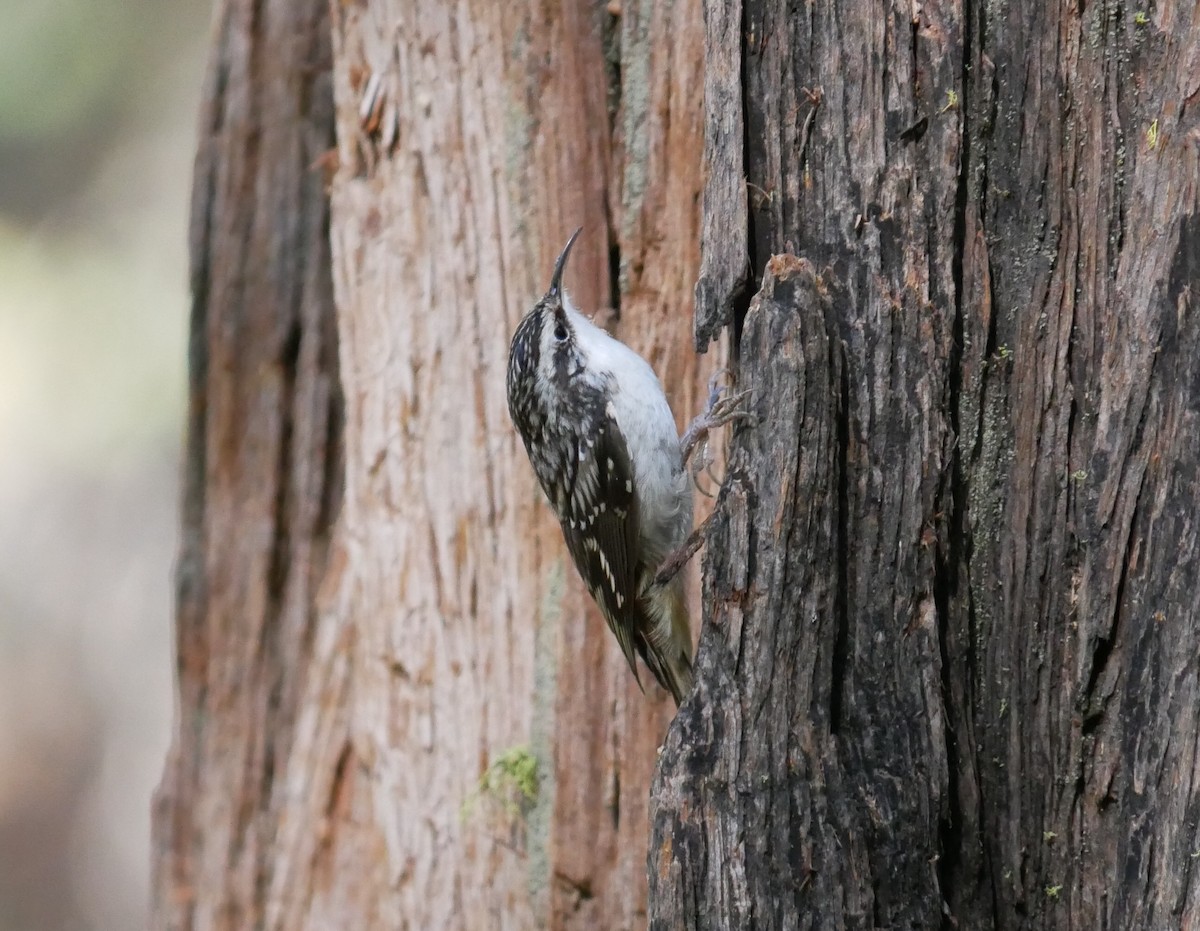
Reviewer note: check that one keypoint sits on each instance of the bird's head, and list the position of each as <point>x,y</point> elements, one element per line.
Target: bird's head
<point>545,349</point>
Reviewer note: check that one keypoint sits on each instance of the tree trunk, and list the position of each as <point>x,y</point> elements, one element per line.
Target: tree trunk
<point>472,140</point>
<point>365,672</point>
<point>263,473</point>
<point>948,670</point>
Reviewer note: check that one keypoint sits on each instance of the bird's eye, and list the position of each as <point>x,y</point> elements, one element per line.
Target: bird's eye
<point>560,332</point>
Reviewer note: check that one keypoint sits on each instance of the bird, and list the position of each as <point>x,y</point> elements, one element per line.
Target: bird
<point>602,441</point>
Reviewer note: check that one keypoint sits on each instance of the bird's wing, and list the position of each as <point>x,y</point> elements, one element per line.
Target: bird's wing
<point>600,526</point>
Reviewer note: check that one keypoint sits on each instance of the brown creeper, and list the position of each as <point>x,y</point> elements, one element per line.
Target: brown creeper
<point>603,444</point>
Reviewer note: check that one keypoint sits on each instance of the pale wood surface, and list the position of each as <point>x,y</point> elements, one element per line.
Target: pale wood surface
<point>473,633</point>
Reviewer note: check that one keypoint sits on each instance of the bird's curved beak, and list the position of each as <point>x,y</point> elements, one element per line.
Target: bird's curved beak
<point>561,264</point>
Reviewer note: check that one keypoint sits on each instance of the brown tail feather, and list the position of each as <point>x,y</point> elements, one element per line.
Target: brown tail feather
<point>665,642</point>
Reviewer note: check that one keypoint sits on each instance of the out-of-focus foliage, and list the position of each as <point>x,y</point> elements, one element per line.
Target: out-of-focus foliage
<point>55,77</point>
<point>75,77</point>
<point>97,108</point>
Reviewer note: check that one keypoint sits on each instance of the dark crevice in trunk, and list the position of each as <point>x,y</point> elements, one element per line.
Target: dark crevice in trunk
<point>953,563</point>
<point>740,299</point>
<point>616,798</point>
<point>1095,705</point>
<point>614,275</point>
<point>741,306</point>
<point>277,735</point>
<point>333,477</point>
<point>748,146</point>
<point>841,642</point>
<point>913,26</point>
<point>280,563</point>
<point>610,30</point>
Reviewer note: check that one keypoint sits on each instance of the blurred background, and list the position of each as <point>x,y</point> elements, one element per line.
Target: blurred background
<point>98,106</point>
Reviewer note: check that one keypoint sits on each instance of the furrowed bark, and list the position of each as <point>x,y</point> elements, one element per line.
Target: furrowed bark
<point>262,476</point>
<point>977,706</point>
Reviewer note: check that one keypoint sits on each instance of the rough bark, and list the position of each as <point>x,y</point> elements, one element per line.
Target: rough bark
<point>263,473</point>
<point>472,140</point>
<point>354,659</point>
<point>948,672</point>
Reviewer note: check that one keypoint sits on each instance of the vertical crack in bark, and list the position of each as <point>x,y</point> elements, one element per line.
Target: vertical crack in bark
<point>987,124</point>
<point>616,798</point>
<point>741,306</point>
<point>610,39</point>
<point>913,26</point>
<point>333,465</point>
<point>1095,705</point>
<point>280,560</point>
<point>748,106</point>
<point>614,271</point>
<point>952,564</point>
<point>611,44</point>
<point>841,641</point>
<point>277,736</point>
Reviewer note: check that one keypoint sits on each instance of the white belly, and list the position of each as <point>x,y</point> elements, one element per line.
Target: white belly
<point>664,491</point>
<point>640,408</point>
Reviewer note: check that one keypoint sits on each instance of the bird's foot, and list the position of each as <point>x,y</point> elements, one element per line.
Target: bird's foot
<point>721,408</point>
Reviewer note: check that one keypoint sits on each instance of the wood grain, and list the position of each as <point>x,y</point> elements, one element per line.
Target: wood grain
<point>364,634</point>
<point>948,674</point>
<point>263,470</point>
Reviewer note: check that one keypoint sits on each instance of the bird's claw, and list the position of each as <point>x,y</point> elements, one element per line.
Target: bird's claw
<point>720,409</point>
<point>702,462</point>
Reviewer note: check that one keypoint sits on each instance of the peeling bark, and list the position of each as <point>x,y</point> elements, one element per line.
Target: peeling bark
<point>512,125</point>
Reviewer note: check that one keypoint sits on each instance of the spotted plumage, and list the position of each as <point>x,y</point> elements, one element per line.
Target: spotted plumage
<point>603,444</point>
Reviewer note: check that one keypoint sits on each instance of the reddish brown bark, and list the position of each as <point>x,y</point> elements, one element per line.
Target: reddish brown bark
<point>263,471</point>
<point>332,738</point>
